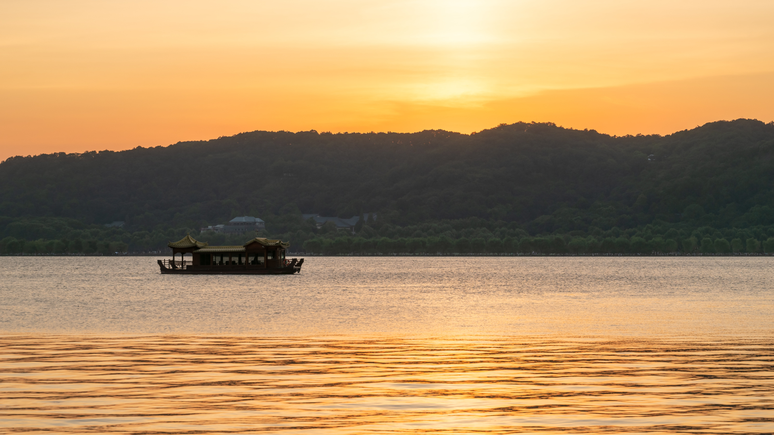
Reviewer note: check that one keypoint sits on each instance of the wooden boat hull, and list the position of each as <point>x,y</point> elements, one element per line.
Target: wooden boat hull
<point>228,270</point>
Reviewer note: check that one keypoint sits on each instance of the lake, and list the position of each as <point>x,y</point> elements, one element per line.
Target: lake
<point>390,345</point>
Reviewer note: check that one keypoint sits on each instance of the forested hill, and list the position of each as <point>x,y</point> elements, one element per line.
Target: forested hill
<point>524,178</point>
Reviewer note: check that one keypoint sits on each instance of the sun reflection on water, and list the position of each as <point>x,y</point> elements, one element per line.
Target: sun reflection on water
<point>241,384</point>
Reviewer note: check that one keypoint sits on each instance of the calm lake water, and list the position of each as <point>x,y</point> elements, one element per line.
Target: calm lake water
<point>390,345</point>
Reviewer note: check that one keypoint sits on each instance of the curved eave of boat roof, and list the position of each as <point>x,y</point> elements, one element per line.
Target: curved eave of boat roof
<point>187,242</point>
<point>268,242</point>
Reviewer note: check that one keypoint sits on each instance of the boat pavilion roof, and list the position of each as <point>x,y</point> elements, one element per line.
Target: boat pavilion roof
<point>187,242</point>
<point>268,242</point>
<point>203,248</point>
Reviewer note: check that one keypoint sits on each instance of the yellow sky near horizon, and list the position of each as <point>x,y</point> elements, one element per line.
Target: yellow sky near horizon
<point>84,75</point>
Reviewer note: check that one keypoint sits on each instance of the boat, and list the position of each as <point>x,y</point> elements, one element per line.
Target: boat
<point>259,256</point>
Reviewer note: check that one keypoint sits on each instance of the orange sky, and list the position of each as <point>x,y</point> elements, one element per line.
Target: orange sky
<point>85,75</point>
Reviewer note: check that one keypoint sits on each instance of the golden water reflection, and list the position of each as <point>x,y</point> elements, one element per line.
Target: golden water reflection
<point>240,384</point>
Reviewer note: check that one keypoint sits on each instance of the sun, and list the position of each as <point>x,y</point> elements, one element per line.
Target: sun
<point>456,24</point>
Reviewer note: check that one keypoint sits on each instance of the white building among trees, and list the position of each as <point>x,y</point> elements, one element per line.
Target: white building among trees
<point>238,225</point>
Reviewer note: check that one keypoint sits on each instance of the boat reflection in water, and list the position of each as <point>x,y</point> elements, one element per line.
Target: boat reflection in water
<point>259,256</point>
<point>237,384</point>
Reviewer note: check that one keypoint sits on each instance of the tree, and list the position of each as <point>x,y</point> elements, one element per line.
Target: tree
<point>313,246</point>
<point>753,246</point>
<point>30,247</point>
<point>370,246</point>
<point>477,245</point>
<point>104,248</point>
<point>578,245</point>
<point>737,246</point>
<point>494,245</point>
<point>594,244</point>
<point>445,245</point>
<point>640,246</point>
<point>357,245</point>
<point>341,245</point>
<point>10,245</point>
<point>689,245</point>
<point>670,246</point>
<point>60,247</point>
<point>526,245</point>
<point>693,212</point>
<point>360,223</point>
<point>623,245</point>
<point>326,247</point>
<point>416,245</point>
<point>722,246</point>
<point>541,245</point>
<point>328,228</point>
<point>400,246</point>
<point>384,246</point>
<point>707,246</point>
<point>510,245</point>
<point>658,245</point>
<point>558,246</point>
<point>607,246</point>
<point>121,247</point>
<point>768,246</point>
<point>75,246</point>
<point>641,205</point>
<point>462,245</point>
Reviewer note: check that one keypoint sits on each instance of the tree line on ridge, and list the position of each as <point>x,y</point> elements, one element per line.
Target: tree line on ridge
<point>520,188</point>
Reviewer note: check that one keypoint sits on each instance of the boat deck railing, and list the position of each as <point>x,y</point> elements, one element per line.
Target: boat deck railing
<point>176,264</point>
<point>183,264</point>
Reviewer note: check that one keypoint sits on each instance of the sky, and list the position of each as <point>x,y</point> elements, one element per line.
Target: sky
<point>83,75</point>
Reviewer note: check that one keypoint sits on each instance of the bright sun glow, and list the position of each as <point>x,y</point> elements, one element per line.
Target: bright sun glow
<point>459,24</point>
<point>85,75</point>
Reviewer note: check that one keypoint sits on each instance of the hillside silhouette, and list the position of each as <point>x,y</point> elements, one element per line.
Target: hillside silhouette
<point>526,181</point>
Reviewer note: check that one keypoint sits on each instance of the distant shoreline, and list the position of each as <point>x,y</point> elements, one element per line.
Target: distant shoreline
<point>423,255</point>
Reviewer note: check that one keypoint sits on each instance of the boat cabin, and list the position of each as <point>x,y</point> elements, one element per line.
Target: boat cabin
<point>258,254</point>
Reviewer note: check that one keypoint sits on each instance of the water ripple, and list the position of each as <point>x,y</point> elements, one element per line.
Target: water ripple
<point>240,384</point>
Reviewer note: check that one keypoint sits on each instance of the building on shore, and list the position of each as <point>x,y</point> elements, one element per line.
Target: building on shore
<point>238,225</point>
<point>342,224</point>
